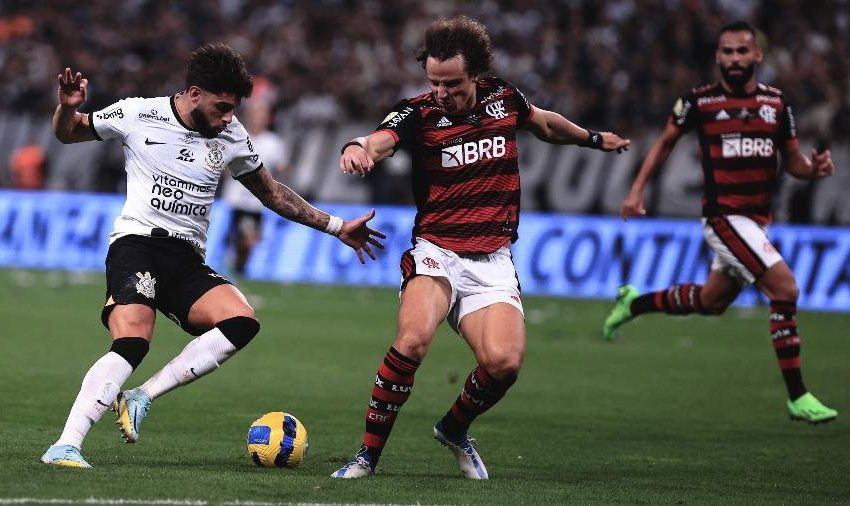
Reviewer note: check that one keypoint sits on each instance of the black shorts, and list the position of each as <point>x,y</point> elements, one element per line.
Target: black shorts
<point>244,222</point>
<point>160,272</point>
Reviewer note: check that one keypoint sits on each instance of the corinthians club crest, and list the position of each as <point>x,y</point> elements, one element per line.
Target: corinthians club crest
<point>145,285</point>
<point>215,157</point>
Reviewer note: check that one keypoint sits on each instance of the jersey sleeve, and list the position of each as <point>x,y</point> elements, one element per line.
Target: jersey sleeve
<point>402,122</point>
<point>523,106</point>
<point>787,132</point>
<point>245,159</point>
<point>114,121</point>
<point>684,113</point>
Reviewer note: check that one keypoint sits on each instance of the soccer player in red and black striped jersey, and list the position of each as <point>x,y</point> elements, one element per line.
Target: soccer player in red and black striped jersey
<point>466,183</point>
<point>742,125</point>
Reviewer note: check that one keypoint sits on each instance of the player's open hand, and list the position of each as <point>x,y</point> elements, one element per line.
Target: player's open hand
<point>355,160</point>
<point>72,88</point>
<point>613,142</point>
<point>822,164</point>
<point>632,205</point>
<point>357,234</point>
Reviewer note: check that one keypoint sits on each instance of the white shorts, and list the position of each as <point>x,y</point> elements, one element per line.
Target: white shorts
<point>741,248</point>
<point>477,281</point>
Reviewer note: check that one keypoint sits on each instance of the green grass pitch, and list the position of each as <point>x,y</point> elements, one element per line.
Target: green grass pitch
<point>679,410</point>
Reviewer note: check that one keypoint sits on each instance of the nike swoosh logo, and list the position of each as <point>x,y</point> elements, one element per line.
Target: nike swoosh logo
<point>192,370</point>
<point>150,142</point>
<point>102,404</point>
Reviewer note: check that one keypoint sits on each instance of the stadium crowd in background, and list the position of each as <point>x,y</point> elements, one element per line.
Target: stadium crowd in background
<point>599,62</point>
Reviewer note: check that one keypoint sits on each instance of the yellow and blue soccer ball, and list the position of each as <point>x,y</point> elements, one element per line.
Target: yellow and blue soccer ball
<point>277,439</point>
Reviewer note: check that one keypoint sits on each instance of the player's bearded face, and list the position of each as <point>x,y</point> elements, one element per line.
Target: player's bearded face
<point>737,57</point>
<point>451,85</point>
<point>736,74</point>
<point>203,125</point>
<point>213,112</point>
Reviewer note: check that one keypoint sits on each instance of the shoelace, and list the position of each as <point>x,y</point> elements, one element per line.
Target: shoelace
<point>469,448</point>
<point>363,462</point>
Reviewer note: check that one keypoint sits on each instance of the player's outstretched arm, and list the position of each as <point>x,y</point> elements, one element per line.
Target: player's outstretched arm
<point>68,124</point>
<point>551,127</point>
<point>359,155</point>
<point>284,201</point>
<point>820,165</point>
<point>658,153</point>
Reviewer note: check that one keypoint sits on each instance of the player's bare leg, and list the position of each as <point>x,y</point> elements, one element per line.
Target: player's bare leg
<point>131,326</point>
<point>779,285</point>
<point>496,335</point>
<point>424,305</point>
<point>230,325</point>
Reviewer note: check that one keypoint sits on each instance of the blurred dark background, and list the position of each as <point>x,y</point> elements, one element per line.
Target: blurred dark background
<point>615,64</point>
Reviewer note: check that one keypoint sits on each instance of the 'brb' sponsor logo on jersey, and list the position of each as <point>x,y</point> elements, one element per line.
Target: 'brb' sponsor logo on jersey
<point>471,152</point>
<point>736,147</point>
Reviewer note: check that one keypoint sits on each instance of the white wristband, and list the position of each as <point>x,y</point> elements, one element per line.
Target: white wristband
<point>334,225</point>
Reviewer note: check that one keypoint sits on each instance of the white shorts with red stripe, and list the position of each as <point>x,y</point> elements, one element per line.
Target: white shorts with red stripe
<point>477,281</point>
<point>741,248</point>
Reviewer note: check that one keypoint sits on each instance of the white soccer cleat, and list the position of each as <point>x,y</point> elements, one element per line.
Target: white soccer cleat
<point>65,456</point>
<point>471,465</point>
<point>130,409</point>
<point>360,466</point>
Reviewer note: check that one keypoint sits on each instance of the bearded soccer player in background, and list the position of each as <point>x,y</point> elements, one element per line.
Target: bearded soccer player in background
<point>466,184</point>
<point>176,149</point>
<point>741,124</point>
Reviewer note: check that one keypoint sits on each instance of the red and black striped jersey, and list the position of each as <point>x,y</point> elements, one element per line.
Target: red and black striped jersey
<point>465,172</point>
<point>739,136</point>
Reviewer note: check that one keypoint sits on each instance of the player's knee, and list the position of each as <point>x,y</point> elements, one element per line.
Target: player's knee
<point>239,330</point>
<point>788,291</point>
<point>504,368</point>
<point>412,345</point>
<point>131,349</point>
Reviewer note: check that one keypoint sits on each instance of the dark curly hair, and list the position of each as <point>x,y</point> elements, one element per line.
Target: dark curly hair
<point>446,38</point>
<point>217,68</point>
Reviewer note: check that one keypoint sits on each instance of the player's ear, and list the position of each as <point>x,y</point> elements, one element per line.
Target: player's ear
<point>759,54</point>
<point>194,93</point>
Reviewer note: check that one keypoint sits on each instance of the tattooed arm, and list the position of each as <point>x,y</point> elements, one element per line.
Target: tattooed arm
<point>285,202</point>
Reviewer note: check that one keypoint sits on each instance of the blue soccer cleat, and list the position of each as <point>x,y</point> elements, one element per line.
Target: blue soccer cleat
<point>360,466</point>
<point>471,465</point>
<point>66,456</point>
<point>130,409</point>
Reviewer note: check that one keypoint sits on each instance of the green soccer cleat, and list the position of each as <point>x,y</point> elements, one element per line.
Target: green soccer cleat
<point>621,312</point>
<point>808,408</point>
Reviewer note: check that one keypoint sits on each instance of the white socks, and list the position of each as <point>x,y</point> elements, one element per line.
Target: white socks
<point>200,357</point>
<point>100,387</point>
<point>103,381</point>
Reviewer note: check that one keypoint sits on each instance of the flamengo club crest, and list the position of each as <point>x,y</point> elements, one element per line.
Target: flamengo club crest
<point>215,158</point>
<point>496,109</point>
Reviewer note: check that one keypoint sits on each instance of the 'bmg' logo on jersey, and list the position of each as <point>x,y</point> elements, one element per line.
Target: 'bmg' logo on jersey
<point>471,152</point>
<point>736,147</point>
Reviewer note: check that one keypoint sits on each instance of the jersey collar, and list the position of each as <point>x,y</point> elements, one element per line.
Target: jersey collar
<point>173,100</point>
